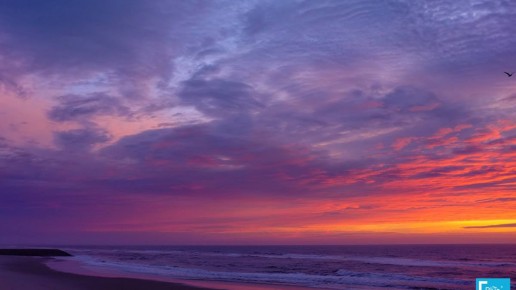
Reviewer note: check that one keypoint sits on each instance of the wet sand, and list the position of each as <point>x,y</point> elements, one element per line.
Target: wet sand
<point>22,273</point>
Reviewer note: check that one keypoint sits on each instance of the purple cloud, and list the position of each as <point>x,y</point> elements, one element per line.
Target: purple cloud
<point>80,139</point>
<point>77,107</point>
<point>218,96</point>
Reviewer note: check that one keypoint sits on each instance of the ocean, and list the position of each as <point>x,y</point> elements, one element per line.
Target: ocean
<point>327,267</point>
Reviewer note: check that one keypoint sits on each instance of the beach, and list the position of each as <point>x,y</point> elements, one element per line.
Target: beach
<point>396,267</point>
<point>49,273</point>
<point>368,267</point>
<point>450,267</point>
<point>19,273</point>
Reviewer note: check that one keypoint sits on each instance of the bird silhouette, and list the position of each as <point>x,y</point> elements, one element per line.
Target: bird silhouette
<point>508,74</point>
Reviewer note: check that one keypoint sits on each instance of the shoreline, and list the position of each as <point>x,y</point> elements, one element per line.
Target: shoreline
<point>44,273</point>
<point>79,268</point>
<point>20,273</point>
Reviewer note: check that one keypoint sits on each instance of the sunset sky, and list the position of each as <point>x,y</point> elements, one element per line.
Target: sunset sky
<point>257,122</point>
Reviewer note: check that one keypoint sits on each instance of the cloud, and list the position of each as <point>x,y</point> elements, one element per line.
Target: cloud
<point>59,36</point>
<point>9,84</point>
<point>410,99</point>
<point>492,226</point>
<point>219,97</point>
<point>164,101</point>
<point>199,159</point>
<point>509,99</point>
<point>79,107</point>
<point>80,139</point>
<point>501,199</point>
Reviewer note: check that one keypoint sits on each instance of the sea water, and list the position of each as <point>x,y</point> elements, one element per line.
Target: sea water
<point>333,267</point>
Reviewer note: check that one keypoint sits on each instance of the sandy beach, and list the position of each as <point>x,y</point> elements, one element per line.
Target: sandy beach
<point>22,273</point>
<point>45,273</point>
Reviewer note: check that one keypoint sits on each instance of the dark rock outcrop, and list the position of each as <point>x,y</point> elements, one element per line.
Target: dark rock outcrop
<point>34,252</point>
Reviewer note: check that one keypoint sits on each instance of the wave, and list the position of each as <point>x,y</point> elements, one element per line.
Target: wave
<point>374,260</point>
<point>427,263</point>
<point>143,254</point>
<point>335,281</point>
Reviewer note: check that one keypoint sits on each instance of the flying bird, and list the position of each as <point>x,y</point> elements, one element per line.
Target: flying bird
<point>508,74</point>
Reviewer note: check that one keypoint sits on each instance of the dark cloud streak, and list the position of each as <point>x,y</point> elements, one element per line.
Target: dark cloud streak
<point>492,226</point>
<point>77,107</point>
